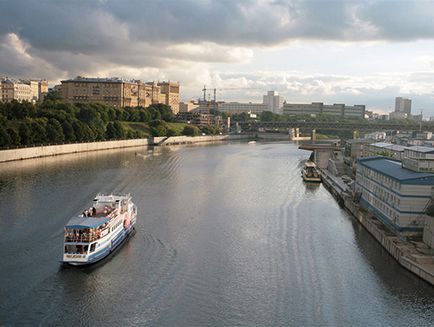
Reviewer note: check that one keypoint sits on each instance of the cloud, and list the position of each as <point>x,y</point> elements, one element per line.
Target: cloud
<point>186,40</point>
<point>377,91</point>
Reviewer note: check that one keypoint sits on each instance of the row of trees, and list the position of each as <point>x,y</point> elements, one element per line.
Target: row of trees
<point>55,121</point>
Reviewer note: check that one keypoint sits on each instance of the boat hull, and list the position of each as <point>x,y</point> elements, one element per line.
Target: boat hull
<point>106,251</point>
<point>312,179</point>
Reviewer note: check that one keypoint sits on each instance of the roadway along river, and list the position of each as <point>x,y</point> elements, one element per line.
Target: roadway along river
<point>228,235</point>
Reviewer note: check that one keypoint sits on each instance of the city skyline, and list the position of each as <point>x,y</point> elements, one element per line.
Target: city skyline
<point>365,52</point>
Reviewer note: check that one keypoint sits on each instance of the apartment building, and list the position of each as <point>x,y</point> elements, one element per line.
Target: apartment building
<point>395,195</point>
<point>23,90</point>
<point>119,92</point>
<point>170,94</point>
<point>15,90</point>
<point>403,105</point>
<point>273,101</point>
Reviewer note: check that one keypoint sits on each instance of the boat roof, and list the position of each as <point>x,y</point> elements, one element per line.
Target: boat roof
<point>111,197</point>
<point>86,222</point>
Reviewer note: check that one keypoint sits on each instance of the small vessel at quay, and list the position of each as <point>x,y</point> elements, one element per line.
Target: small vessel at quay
<point>310,172</point>
<point>99,230</point>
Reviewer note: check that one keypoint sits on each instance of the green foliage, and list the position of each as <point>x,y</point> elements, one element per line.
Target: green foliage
<point>53,96</point>
<point>158,127</point>
<point>267,116</point>
<point>68,131</point>
<point>210,130</point>
<point>115,131</point>
<point>5,139</point>
<point>171,132</point>
<point>15,137</point>
<point>55,131</point>
<point>56,121</point>
<point>25,134</point>
<point>385,153</point>
<point>39,132</point>
<point>190,130</point>
<point>240,117</point>
<point>163,111</point>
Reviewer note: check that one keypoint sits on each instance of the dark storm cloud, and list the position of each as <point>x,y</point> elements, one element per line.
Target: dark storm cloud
<point>90,26</point>
<point>77,34</point>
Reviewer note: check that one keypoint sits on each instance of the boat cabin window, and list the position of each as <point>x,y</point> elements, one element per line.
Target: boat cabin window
<point>76,249</point>
<point>92,247</point>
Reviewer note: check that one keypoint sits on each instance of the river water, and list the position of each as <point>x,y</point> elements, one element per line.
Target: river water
<point>227,235</point>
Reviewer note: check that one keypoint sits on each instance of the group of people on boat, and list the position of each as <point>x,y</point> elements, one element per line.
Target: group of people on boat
<point>89,212</point>
<point>82,235</point>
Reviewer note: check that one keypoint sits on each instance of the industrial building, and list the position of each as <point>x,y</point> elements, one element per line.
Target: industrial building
<point>394,151</point>
<point>316,108</point>
<point>395,195</point>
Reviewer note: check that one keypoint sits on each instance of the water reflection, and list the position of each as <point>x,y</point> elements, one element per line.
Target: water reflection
<point>227,234</point>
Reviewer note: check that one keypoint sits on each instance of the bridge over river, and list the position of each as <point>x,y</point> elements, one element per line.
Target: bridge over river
<point>335,125</point>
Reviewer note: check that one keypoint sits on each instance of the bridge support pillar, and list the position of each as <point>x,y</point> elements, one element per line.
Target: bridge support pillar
<point>313,135</point>
<point>294,133</point>
<point>356,134</point>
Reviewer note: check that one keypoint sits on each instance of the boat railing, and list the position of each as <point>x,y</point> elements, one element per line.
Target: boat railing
<point>84,238</point>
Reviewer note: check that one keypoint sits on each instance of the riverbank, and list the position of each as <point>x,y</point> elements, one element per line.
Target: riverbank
<point>408,254</point>
<point>55,150</point>
<point>175,140</point>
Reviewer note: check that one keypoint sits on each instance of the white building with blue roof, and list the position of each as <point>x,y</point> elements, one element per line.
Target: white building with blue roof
<point>419,158</point>
<point>395,195</point>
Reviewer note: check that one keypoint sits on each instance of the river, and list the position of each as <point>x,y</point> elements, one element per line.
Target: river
<point>227,235</point>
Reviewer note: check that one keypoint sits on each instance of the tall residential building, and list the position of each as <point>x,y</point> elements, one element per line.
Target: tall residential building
<point>403,105</point>
<point>273,101</point>
<point>42,89</point>
<point>337,109</point>
<point>170,90</point>
<point>119,92</point>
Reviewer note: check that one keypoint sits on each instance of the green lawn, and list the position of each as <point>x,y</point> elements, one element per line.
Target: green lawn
<point>143,128</point>
<point>178,127</point>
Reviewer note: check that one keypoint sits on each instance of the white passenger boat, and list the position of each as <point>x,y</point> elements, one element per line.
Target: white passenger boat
<point>94,234</point>
<point>310,173</point>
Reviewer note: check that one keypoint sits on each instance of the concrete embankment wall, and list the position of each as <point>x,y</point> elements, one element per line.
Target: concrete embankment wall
<point>53,150</point>
<point>163,140</point>
<point>397,248</point>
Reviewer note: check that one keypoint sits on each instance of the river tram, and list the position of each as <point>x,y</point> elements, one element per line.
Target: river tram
<point>99,230</point>
<point>310,173</point>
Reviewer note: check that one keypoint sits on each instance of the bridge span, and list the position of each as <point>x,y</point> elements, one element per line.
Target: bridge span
<point>334,125</point>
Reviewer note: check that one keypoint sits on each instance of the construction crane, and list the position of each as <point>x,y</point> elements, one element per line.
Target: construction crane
<point>226,89</point>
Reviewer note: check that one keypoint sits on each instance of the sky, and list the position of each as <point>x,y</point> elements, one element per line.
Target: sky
<point>337,51</point>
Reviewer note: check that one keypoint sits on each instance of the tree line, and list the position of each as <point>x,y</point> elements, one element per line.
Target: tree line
<point>55,121</point>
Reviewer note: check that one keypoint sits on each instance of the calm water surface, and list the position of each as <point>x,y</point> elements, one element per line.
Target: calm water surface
<point>227,235</point>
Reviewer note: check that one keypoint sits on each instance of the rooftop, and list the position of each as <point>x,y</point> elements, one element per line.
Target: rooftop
<point>390,146</point>
<point>393,169</point>
<point>82,79</point>
<point>423,149</point>
<point>85,222</point>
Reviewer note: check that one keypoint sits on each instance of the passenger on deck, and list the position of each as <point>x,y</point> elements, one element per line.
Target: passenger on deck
<point>93,211</point>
